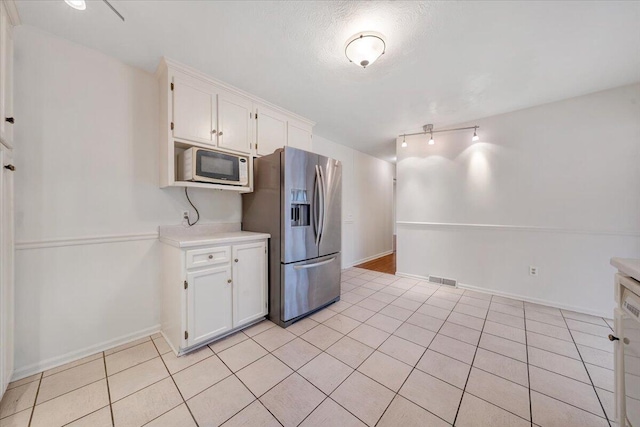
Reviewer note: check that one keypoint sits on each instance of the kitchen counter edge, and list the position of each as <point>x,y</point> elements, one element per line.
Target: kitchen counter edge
<point>214,239</point>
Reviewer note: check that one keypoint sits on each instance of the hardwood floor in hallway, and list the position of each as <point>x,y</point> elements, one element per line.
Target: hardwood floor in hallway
<point>385,264</point>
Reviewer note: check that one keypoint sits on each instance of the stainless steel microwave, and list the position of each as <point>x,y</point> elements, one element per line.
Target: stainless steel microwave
<point>198,164</point>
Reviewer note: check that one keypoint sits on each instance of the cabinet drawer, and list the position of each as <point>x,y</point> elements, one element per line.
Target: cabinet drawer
<point>208,256</point>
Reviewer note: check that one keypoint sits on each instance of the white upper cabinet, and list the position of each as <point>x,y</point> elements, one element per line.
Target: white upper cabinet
<point>299,135</point>
<point>6,76</point>
<point>249,282</point>
<point>271,130</point>
<point>194,111</point>
<point>235,122</point>
<point>199,111</point>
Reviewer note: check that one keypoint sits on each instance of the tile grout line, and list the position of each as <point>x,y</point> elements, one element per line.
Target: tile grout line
<point>174,383</point>
<point>526,348</point>
<point>33,408</point>
<point>361,363</point>
<point>106,377</point>
<point>415,366</point>
<point>464,390</point>
<point>606,417</point>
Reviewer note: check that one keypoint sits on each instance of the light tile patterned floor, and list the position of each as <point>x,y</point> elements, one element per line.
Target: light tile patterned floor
<point>392,352</point>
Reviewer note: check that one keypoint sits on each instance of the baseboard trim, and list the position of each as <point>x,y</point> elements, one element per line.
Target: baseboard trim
<point>54,362</point>
<point>371,258</point>
<point>518,297</point>
<point>94,240</point>
<point>412,276</point>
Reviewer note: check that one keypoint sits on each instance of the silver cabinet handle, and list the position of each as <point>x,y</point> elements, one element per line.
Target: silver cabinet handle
<point>228,280</point>
<point>219,133</point>
<point>236,260</point>
<point>210,256</point>
<point>317,264</point>
<point>213,132</point>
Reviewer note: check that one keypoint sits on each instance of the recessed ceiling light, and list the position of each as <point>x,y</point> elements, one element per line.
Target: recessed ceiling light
<point>363,49</point>
<point>76,4</point>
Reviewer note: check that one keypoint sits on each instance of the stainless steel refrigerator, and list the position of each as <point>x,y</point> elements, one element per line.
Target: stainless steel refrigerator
<point>297,198</point>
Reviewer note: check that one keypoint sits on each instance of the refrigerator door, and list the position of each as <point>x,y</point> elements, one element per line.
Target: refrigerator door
<point>309,284</point>
<point>330,241</point>
<point>300,194</point>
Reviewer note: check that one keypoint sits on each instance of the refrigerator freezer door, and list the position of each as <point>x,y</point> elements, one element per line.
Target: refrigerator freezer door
<point>309,284</point>
<point>331,231</point>
<point>299,205</point>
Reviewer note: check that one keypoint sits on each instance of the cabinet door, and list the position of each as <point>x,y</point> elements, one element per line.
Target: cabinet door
<point>194,111</point>
<point>299,136</point>
<point>235,122</point>
<point>209,303</point>
<point>271,131</point>
<point>249,282</point>
<point>6,271</point>
<point>6,77</point>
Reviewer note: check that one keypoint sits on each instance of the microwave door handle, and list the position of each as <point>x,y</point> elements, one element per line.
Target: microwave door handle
<point>316,203</point>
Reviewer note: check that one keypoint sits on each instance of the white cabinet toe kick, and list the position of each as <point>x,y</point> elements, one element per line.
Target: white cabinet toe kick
<point>213,290</point>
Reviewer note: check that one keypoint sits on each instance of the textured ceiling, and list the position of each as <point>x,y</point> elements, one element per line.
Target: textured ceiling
<point>446,62</point>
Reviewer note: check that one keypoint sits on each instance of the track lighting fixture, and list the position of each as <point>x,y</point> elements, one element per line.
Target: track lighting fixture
<point>428,129</point>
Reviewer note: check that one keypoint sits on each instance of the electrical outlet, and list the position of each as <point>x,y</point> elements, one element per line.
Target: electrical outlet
<point>185,218</point>
<point>533,271</point>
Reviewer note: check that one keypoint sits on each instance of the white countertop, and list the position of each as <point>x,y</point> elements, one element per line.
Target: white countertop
<point>212,239</point>
<point>629,266</point>
<point>206,235</point>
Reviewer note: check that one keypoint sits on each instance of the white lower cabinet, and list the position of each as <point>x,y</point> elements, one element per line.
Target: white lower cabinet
<point>209,304</point>
<point>249,277</point>
<point>207,295</point>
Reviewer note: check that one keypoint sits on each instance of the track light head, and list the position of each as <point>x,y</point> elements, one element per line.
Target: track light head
<point>475,135</point>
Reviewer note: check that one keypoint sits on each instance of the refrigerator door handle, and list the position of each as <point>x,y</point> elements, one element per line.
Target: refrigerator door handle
<point>316,203</point>
<point>323,203</point>
<point>317,264</point>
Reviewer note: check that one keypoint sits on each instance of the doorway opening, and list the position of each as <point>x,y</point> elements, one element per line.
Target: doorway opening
<point>385,264</point>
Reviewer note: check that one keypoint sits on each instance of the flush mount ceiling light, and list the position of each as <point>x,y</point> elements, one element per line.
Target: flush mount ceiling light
<point>428,129</point>
<point>76,4</point>
<point>363,49</point>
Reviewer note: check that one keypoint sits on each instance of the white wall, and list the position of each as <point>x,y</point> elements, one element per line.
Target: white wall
<point>87,166</point>
<point>88,203</point>
<point>367,226</point>
<point>555,186</point>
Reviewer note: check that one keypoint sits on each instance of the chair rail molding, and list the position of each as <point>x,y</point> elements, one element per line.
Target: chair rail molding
<point>88,240</point>
<point>505,227</point>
